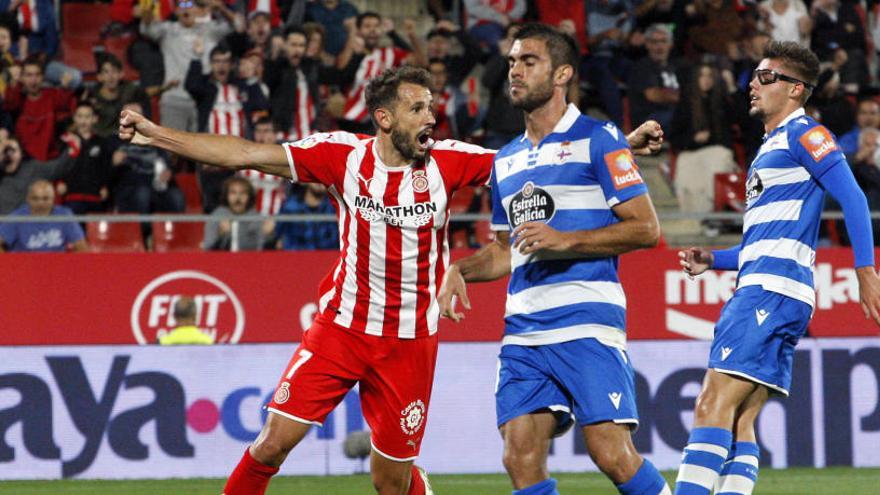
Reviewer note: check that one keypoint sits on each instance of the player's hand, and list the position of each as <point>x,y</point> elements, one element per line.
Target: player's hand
<point>453,287</point>
<point>646,139</point>
<point>695,260</point>
<point>869,292</point>
<point>136,128</point>
<point>533,236</point>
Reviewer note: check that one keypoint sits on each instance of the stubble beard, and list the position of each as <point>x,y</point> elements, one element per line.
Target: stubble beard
<point>404,145</point>
<point>535,98</point>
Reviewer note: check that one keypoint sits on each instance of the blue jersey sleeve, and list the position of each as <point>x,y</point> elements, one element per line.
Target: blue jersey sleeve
<point>815,149</point>
<point>8,233</point>
<point>615,166</point>
<point>499,216</point>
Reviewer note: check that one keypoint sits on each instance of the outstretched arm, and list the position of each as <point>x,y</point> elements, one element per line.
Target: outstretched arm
<point>491,262</point>
<point>222,151</point>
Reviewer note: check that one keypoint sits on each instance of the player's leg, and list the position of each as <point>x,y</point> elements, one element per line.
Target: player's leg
<point>611,449</point>
<point>320,383</point>
<point>740,472</point>
<point>526,444</point>
<point>604,398</point>
<point>525,395</point>
<point>395,394</point>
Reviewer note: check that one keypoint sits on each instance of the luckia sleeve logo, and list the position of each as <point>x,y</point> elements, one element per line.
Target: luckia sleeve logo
<point>531,204</point>
<point>818,142</point>
<point>622,168</point>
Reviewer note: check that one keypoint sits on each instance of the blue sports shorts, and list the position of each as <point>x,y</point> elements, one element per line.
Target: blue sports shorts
<point>756,335</point>
<point>582,380</point>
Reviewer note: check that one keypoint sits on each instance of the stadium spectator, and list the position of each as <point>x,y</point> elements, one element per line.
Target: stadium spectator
<point>269,189</point>
<point>228,234</point>
<point>256,36</point>
<point>450,105</point>
<point>786,20</point>
<point>867,117</point>
<point>332,14</point>
<point>142,178</point>
<point>830,99</point>
<point>866,169</point>
<point>653,86</point>
<point>39,38</point>
<point>315,49</point>
<point>42,236</point>
<point>701,133</point>
<point>112,93</point>
<point>440,46</point>
<point>293,81</point>
<point>186,332</point>
<point>838,28</point>
<point>38,110</point>
<point>87,185</point>
<point>363,59</point>
<point>503,121</point>
<point>177,40</point>
<point>609,24</point>
<point>226,105</point>
<point>308,199</point>
<point>714,26</point>
<point>487,20</point>
<point>668,12</point>
<point>7,59</point>
<point>16,174</point>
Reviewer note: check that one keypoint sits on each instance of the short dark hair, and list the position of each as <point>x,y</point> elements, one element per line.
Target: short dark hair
<point>185,307</point>
<point>109,58</point>
<point>219,49</point>
<point>796,58</point>
<point>364,15</point>
<point>34,60</point>
<point>265,119</point>
<point>382,90</point>
<point>563,48</point>
<point>295,29</point>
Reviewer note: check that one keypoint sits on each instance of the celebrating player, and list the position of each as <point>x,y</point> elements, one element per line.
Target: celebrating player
<point>751,356</point>
<point>570,197</point>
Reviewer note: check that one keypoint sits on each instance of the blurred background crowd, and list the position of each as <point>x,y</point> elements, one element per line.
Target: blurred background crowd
<point>278,70</point>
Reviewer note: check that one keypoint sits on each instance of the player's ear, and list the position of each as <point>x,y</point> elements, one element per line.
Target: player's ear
<point>384,118</point>
<point>563,74</point>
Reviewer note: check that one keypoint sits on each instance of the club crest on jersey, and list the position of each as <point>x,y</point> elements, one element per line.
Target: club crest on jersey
<point>622,168</point>
<point>531,204</point>
<point>413,417</point>
<point>420,181</point>
<point>818,142</point>
<point>754,188</point>
<point>282,394</point>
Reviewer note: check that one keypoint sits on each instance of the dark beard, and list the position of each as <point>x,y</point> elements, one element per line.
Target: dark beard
<point>535,98</point>
<point>404,145</point>
<point>756,113</point>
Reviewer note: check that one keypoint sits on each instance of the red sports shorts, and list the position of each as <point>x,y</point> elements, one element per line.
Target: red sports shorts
<point>395,376</point>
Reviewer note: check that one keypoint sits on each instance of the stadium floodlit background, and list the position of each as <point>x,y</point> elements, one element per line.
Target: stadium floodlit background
<point>88,404</point>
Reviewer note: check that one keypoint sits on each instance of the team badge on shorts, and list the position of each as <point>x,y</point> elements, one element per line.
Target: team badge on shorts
<point>282,394</point>
<point>413,417</point>
<point>420,181</point>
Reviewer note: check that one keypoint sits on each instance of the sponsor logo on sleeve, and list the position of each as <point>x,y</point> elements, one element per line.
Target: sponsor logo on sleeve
<point>622,168</point>
<point>818,142</point>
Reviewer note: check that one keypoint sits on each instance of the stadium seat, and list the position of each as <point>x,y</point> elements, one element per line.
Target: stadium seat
<point>115,237</point>
<point>730,192</point>
<point>177,236</point>
<point>77,52</point>
<point>84,19</point>
<point>189,186</point>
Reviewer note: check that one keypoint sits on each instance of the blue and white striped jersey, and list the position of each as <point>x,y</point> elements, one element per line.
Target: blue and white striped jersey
<point>783,207</point>
<point>571,180</point>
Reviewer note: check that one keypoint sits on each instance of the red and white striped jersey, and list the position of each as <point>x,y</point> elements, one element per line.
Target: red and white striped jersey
<point>393,228</point>
<point>269,188</point>
<point>27,16</point>
<point>371,66</point>
<point>305,110</point>
<point>227,116</point>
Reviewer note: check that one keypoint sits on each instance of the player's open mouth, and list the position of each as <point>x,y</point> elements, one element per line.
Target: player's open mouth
<point>424,138</point>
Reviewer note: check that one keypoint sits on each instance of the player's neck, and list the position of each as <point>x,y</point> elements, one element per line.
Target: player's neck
<point>388,153</point>
<point>773,122</point>
<point>542,120</point>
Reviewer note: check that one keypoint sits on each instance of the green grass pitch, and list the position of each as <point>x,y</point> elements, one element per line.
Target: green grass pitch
<point>829,481</point>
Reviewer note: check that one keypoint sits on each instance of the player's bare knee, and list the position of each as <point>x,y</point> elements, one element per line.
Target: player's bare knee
<point>707,405</point>
<point>386,483</point>
<point>618,463</point>
<point>270,449</point>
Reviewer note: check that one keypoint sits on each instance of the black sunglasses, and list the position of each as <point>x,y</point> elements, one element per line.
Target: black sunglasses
<point>767,76</point>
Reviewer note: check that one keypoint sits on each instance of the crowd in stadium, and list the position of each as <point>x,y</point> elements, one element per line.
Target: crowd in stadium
<point>275,71</point>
